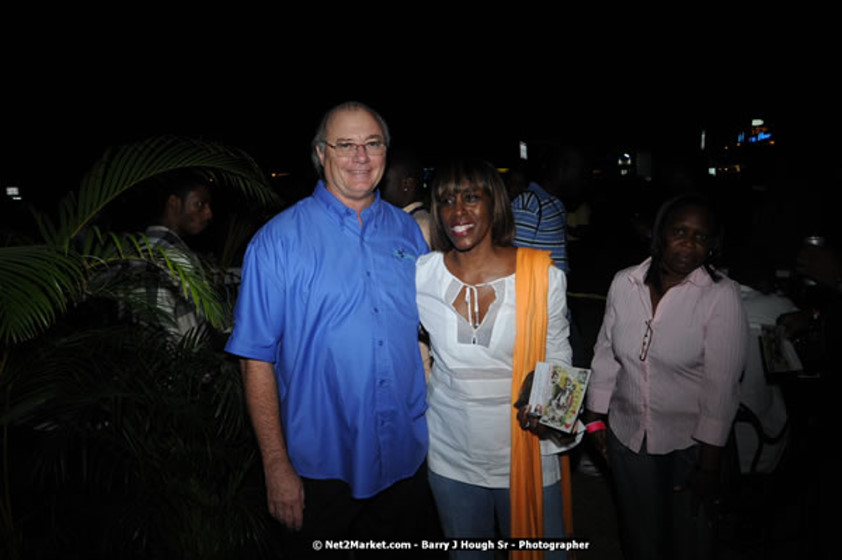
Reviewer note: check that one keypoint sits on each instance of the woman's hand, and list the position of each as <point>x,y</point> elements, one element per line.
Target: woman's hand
<point>704,490</point>
<point>703,481</point>
<point>529,421</point>
<point>598,438</point>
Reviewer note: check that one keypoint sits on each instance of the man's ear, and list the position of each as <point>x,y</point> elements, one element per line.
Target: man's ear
<point>320,151</point>
<point>174,204</point>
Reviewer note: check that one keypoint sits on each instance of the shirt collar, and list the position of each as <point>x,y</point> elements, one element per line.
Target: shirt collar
<point>698,277</point>
<point>535,187</point>
<point>335,206</point>
<point>163,232</point>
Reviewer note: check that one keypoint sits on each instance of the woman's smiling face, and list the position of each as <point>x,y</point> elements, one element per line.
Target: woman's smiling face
<point>466,217</point>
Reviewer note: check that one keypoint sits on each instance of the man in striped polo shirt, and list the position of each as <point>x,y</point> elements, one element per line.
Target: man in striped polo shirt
<point>540,217</point>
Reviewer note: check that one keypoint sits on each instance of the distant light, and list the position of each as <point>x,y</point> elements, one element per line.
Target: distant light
<point>523,151</point>
<point>703,141</point>
<point>712,171</point>
<point>12,191</point>
<point>757,122</point>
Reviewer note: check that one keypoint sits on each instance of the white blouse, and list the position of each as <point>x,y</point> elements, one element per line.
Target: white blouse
<point>470,390</point>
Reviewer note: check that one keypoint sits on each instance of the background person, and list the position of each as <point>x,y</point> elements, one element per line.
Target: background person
<point>666,369</point>
<point>183,210</point>
<point>403,186</point>
<point>539,214</point>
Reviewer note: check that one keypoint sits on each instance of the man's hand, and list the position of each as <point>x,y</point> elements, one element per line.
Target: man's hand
<point>284,491</point>
<point>285,494</point>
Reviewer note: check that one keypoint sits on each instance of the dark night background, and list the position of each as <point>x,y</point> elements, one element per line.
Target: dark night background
<point>60,111</point>
<point>62,105</point>
<point>464,86</point>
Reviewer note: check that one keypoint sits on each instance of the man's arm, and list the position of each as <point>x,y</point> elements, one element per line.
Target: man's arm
<point>284,490</point>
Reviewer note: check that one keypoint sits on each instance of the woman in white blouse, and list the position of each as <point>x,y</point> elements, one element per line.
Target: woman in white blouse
<point>466,300</point>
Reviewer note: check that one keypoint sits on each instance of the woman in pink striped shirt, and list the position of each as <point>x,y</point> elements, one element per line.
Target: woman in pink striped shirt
<point>666,368</point>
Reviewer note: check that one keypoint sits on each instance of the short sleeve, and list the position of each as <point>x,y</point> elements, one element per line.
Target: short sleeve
<point>259,313</point>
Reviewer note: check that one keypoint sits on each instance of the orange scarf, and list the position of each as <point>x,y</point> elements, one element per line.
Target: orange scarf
<point>526,483</point>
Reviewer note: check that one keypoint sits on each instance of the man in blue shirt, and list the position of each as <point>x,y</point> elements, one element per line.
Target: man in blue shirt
<point>326,326</point>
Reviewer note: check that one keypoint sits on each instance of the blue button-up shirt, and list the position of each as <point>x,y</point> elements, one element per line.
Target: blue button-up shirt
<point>332,304</point>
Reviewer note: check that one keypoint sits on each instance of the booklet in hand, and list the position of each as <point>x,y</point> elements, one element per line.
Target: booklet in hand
<point>558,392</point>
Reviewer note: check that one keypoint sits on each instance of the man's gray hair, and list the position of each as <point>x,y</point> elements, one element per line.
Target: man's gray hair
<point>321,133</point>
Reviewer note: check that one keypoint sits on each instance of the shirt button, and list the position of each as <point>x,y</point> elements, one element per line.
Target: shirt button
<point>376,310</point>
<point>379,343</point>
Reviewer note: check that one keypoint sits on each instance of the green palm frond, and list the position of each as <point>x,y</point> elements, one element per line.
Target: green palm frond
<point>111,267</point>
<point>36,283</point>
<point>122,168</point>
<point>105,254</point>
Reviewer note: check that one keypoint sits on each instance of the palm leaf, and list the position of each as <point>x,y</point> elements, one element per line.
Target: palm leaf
<point>106,253</point>
<point>122,168</point>
<point>36,283</point>
<point>39,282</point>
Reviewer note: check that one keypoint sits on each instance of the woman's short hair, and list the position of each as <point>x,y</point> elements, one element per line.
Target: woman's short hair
<point>460,175</point>
<point>664,217</point>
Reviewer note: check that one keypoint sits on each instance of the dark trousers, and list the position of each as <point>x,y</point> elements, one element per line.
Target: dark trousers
<point>657,522</point>
<point>402,512</point>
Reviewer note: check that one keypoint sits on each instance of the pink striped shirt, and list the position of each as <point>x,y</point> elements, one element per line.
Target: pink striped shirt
<point>686,390</point>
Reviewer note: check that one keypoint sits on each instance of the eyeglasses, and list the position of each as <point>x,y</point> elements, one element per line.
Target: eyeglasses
<point>349,149</point>
<point>647,341</point>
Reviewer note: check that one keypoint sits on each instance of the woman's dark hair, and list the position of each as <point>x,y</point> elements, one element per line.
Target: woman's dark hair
<point>458,176</point>
<point>659,237</point>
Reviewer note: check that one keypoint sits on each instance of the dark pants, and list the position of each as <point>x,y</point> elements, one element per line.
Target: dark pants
<point>402,512</point>
<point>656,522</point>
